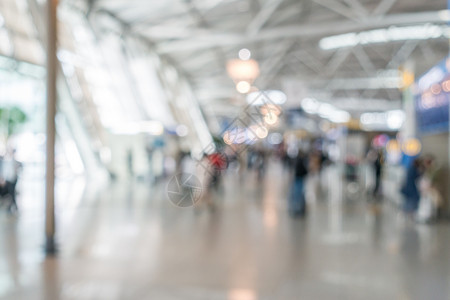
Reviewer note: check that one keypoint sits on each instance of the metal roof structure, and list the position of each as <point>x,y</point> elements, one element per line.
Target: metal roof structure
<point>198,37</point>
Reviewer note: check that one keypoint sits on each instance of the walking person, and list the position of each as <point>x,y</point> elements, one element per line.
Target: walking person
<point>9,171</point>
<point>314,168</point>
<point>431,200</point>
<point>297,200</point>
<point>410,189</point>
<point>378,165</point>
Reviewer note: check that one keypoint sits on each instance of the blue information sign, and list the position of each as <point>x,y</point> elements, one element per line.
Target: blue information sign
<point>432,99</point>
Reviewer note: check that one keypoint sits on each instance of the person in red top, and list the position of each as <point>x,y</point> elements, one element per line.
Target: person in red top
<point>218,162</point>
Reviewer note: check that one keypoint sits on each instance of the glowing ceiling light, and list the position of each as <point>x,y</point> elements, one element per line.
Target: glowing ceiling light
<point>244,294</point>
<point>446,86</point>
<point>375,118</point>
<point>395,119</point>
<point>270,108</point>
<point>384,35</point>
<point>182,130</point>
<point>261,132</point>
<point>275,138</point>
<point>392,146</point>
<point>389,120</point>
<point>339,41</point>
<point>326,110</point>
<point>243,87</point>
<point>243,70</point>
<point>340,116</point>
<point>271,118</point>
<point>245,54</point>
<point>227,138</point>
<point>310,105</point>
<point>412,147</point>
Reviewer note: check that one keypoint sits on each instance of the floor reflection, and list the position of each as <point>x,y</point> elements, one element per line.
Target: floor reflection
<point>128,242</point>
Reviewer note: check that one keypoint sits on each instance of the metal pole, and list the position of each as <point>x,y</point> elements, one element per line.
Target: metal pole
<point>50,247</point>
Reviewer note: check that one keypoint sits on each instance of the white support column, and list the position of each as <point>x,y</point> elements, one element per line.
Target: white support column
<point>409,127</point>
<point>52,67</point>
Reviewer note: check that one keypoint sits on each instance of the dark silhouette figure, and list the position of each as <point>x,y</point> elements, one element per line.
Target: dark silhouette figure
<point>410,190</point>
<point>297,200</point>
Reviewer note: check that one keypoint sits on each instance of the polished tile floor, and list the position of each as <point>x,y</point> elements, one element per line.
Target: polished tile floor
<point>128,242</point>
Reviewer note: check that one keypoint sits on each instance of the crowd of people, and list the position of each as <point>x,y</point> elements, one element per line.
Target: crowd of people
<point>421,198</point>
<point>421,201</point>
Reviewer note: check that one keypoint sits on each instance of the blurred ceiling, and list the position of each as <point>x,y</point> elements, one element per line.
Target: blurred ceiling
<point>199,36</point>
<point>18,35</point>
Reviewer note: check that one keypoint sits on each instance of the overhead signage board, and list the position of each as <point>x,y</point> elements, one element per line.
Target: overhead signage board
<point>432,98</point>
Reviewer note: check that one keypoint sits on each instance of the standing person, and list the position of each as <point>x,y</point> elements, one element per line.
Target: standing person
<point>297,201</point>
<point>431,199</point>
<point>378,165</point>
<point>314,167</point>
<point>219,163</point>
<point>410,190</point>
<point>210,168</point>
<point>260,163</point>
<point>9,169</point>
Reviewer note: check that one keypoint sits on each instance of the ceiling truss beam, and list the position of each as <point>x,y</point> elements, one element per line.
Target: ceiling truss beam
<point>200,39</point>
